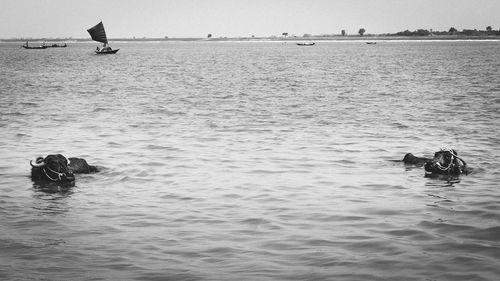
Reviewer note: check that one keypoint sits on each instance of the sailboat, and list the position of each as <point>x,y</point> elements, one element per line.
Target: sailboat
<point>98,34</point>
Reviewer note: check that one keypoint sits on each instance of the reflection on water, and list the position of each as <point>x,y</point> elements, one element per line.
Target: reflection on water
<point>52,198</point>
<point>63,188</point>
<point>255,161</point>
<point>442,180</point>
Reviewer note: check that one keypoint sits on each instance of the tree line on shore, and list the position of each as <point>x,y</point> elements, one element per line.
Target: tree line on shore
<point>451,31</point>
<point>407,33</point>
<point>420,32</point>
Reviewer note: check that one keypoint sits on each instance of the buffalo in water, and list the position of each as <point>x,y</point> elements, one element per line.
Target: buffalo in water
<point>57,168</point>
<point>445,162</point>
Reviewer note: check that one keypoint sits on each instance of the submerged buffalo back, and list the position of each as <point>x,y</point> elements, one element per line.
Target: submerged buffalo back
<point>412,159</point>
<point>80,165</point>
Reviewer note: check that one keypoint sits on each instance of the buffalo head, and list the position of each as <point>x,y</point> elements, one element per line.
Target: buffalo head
<point>53,168</point>
<point>446,161</point>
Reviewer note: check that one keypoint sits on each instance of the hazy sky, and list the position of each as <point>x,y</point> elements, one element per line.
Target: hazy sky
<point>233,18</point>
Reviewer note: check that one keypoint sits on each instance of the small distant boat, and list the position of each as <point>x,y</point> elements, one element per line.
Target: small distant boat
<point>41,47</point>
<point>97,33</point>
<point>103,51</point>
<point>35,47</point>
<point>371,43</point>
<point>306,44</point>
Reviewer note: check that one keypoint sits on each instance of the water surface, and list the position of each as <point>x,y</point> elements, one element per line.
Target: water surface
<point>252,161</point>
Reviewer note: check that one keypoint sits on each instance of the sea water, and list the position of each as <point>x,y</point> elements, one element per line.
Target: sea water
<point>251,161</point>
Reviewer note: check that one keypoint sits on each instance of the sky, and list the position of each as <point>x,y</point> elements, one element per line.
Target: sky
<point>239,18</point>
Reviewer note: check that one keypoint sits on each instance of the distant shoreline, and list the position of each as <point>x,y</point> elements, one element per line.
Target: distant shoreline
<point>271,39</point>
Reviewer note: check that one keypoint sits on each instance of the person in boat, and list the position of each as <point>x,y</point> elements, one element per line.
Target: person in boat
<point>105,48</point>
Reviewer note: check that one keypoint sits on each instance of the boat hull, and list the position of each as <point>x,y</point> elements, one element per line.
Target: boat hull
<point>35,48</point>
<point>106,52</point>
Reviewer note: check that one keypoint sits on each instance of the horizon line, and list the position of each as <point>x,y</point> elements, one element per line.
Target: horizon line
<point>277,38</point>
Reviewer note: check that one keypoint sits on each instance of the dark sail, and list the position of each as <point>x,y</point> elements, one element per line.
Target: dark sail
<point>97,33</point>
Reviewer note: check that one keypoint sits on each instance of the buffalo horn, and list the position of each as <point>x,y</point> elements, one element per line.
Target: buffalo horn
<point>38,163</point>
